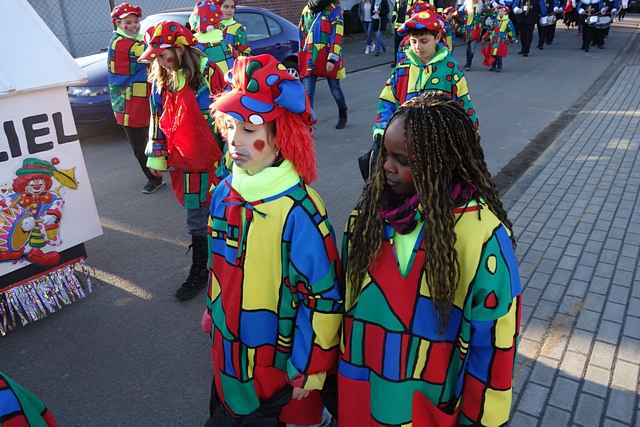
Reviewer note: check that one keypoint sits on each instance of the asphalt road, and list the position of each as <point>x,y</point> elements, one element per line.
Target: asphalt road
<point>130,354</point>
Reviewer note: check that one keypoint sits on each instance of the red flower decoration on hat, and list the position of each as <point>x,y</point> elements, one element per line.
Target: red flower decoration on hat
<point>123,10</point>
<point>262,89</point>
<point>422,21</point>
<point>206,15</point>
<point>165,35</point>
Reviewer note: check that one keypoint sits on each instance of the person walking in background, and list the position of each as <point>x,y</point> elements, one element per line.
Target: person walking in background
<point>380,21</point>
<point>234,34</point>
<point>527,13</point>
<point>366,11</point>
<point>624,5</point>
<point>128,87</point>
<point>183,139</point>
<point>401,12</point>
<point>321,30</point>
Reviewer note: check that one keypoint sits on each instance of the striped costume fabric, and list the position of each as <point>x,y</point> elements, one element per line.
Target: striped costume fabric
<point>21,408</point>
<point>127,80</point>
<point>273,298</point>
<point>412,77</point>
<point>393,350</point>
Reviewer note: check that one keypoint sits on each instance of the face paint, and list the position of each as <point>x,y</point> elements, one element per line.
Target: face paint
<point>250,146</point>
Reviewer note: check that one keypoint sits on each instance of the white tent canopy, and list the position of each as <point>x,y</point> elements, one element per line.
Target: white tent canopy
<point>32,56</point>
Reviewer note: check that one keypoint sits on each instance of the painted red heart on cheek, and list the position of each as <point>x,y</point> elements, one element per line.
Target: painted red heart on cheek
<point>259,145</point>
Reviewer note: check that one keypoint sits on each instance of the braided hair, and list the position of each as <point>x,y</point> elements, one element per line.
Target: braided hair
<point>444,149</point>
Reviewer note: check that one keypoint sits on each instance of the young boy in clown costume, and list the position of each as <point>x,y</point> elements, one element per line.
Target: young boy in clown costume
<point>428,67</point>
<point>448,15</point>
<point>234,33</point>
<point>38,211</point>
<point>205,22</point>
<point>183,139</point>
<point>497,37</point>
<point>274,298</point>
<point>128,86</point>
<point>420,6</point>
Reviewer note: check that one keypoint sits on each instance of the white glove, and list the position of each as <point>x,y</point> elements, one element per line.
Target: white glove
<point>614,11</point>
<point>557,9</point>
<point>603,10</point>
<point>28,224</point>
<point>49,219</point>
<point>581,11</point>
<point>517,10</point>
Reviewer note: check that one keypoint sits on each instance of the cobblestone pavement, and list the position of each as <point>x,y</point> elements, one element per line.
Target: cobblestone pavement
<point>577,217</point>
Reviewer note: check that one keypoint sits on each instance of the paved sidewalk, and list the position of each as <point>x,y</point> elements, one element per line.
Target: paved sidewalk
<point>578,228</point>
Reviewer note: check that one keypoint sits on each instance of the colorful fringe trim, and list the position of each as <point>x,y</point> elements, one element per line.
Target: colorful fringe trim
<point>36,298</point>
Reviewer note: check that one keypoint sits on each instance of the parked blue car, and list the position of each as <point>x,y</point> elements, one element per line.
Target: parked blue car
<point>266,33</point>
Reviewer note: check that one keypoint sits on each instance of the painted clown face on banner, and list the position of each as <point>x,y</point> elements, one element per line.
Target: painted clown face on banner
<point>37,186</point>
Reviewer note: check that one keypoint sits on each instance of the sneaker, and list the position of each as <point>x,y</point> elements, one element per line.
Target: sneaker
<point>367,50</point>
<point>152,187</point>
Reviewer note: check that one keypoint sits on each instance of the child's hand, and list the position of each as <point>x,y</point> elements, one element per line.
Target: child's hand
<point>205,322</point>
<point>299,393</point>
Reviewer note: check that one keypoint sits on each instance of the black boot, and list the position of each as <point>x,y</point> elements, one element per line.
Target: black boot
<point>198,274</point>
<point>342,121</point>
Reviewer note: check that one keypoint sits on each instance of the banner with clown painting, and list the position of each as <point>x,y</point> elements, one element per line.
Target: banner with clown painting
<point>47,208</point>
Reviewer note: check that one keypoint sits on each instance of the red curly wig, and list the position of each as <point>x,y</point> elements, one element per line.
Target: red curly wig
<point>293,139</point>
<point>20,183</point>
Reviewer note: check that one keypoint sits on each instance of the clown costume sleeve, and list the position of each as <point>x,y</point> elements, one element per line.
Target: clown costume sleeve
<point>21,408</point>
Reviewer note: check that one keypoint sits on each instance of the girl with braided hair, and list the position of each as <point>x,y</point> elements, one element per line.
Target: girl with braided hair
<point>432,302</point>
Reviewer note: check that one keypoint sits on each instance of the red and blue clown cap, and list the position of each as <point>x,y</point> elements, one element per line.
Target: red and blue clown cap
<point>261,90</point>
<point>422,21</point>
<point>206,15</point>
<point>165,35</point>
<point>123,10</point>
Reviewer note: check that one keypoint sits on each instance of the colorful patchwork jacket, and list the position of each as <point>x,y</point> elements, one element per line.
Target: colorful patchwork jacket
<point>412,77</point>
<point>127,81</point>
<point>235,39</point>
<point>500,34</point>
<point>222,47</point>
<point>195,166</point>
<point>21,408</point>
<point>393,352</point>
<point>274,297</point>
<point>212,45</point>
<point>321,36</point>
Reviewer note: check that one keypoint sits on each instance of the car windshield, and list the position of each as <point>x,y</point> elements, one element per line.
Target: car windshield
<point>154,19</point>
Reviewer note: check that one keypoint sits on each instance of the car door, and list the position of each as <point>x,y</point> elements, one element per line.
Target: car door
<point>258,35</point>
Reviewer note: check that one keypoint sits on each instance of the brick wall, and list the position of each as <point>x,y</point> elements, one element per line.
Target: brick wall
<point>289,9</point>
